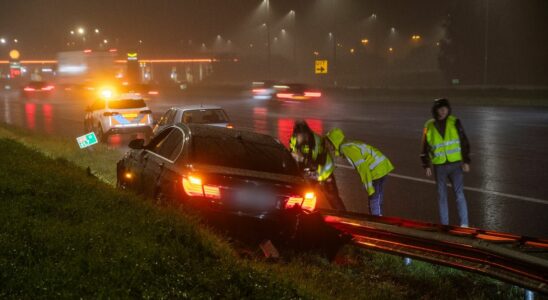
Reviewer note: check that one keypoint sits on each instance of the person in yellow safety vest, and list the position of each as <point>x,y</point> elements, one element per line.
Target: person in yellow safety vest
<point>370,163</point>
<point>308,149</point>
<point>446,148</point>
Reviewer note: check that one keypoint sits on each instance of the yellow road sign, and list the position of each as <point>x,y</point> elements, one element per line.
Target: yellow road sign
<point>321,67</point>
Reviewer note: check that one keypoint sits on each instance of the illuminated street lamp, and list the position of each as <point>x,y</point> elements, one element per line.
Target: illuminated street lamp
<point>390,50</point>
<point>72,32</point>
<point>416,38</point>
<point>2,41</point>
<point>16,41</point>
<point>105,41</point>
<point>96,30</point>
<point>365,42</point>
<point>81,30</point>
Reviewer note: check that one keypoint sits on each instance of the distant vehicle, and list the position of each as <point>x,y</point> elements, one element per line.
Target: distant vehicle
<point>127,113</point>
<point>195,114</point>
<point>75,68</point>
<point>217,169</point>
<point>297,92</point>
<point>35,88</point>
<point>145,89</point>
<point>264,90</point>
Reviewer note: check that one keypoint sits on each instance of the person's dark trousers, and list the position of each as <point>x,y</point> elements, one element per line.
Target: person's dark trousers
<point>453,172</point>
<point>331,192</point>
<point>375,200</point>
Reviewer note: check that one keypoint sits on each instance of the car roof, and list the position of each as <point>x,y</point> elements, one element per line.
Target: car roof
<point>208,131</point>
<point>197,107</point>
<point>128,96</point>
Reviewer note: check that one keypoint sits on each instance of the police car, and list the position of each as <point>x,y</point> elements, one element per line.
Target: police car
<point>125,113</point>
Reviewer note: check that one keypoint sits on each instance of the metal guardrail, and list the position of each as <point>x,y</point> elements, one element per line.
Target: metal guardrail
<point>519,260</point>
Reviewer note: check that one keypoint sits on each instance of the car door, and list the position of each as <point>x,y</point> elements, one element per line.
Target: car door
<point>160,160</point>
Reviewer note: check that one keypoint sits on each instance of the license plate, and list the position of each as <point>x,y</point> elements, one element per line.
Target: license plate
<point>254,199</point>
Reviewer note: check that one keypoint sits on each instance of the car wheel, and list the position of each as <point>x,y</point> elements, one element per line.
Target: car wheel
<point>101,136</point>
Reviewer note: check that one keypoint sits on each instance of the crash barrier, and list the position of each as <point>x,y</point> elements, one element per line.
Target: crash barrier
<point>519,260</point>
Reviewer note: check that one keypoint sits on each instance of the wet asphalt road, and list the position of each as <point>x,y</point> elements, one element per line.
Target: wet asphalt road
<point>507,186</point>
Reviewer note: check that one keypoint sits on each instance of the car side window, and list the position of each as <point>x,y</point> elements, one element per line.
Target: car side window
<point>171,117</point>
<point>159,139</point>
<point>163,120</point>
<point>171,146</point>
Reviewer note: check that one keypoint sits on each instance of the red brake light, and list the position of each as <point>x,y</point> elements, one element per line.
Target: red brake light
<point>211,191</point>
<point>193,187</point>
<point>229,126</point>
<point>313,94</point>
<point>28,89</point>
<point>259,91</point>
<point>307,203</point>
<point>293,200</point>
<point>284,95</point>
<point>48,88</point>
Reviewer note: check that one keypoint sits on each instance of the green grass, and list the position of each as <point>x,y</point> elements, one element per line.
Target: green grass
<point>65,234</point>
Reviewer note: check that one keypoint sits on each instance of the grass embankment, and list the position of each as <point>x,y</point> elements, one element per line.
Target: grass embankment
<point>64,233</point>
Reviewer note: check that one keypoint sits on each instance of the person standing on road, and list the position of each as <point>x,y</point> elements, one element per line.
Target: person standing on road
<point>370,163</point>
<point>308,149</point>
<point>445,147</point>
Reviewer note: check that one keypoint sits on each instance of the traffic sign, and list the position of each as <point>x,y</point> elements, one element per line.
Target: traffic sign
<point>87,140</point>
<point>321,67</point>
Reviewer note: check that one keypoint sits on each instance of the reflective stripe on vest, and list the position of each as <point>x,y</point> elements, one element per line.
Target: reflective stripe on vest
<point>447,148</point>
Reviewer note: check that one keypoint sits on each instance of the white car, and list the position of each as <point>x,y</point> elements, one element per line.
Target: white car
<point>195,114</point>
<point>127,113</point>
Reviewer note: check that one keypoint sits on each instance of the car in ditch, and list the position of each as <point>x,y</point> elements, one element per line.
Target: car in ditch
<point>227,171</point>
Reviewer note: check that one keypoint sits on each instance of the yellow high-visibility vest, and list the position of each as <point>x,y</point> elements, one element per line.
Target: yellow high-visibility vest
<point>370,163</point>
<point>443,149</point>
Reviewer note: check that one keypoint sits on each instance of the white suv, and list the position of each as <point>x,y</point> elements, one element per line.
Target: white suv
<point>127,113</point>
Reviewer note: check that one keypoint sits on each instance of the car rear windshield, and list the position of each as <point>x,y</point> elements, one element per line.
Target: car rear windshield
<point>234,152</point>
<point>129,103</point>
<point>204,116</point>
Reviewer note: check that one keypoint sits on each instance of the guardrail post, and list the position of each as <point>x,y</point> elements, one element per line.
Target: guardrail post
<point>529,295</point>
<point>407,261</point>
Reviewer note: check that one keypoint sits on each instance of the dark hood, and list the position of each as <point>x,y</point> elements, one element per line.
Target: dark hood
<point>440,103</point>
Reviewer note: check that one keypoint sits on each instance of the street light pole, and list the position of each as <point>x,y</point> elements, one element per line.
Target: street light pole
<point>269,51</point>
<point>486,42</point>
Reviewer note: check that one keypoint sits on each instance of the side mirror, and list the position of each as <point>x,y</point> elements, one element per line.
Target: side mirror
<point>137,144</point>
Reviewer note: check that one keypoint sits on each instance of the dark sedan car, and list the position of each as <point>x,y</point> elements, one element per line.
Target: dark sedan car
<point>224,170</point>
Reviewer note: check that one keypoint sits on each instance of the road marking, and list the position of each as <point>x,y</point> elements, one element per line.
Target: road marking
<point>517,197</point>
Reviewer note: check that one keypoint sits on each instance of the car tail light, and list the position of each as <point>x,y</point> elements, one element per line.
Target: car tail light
<point>193,187</point>
<point>229,126</point>
<point>307,202</point>
<point>153,93</point>
<point>147,112</point>
<point>211,191</point>
<point>48,88</point>
<point>110,113</point>
<point>29,89</point>
<point>284,95</point>
<point>259,91</point>
<point>313,94</point>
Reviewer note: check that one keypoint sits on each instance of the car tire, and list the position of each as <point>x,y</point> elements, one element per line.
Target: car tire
<point>101,136</point>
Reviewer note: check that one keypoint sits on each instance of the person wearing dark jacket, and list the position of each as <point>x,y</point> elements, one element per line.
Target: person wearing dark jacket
<point>446,154</point>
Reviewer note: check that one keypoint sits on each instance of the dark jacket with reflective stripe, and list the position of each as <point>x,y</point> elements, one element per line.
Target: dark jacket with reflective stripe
<point>440,126</point>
